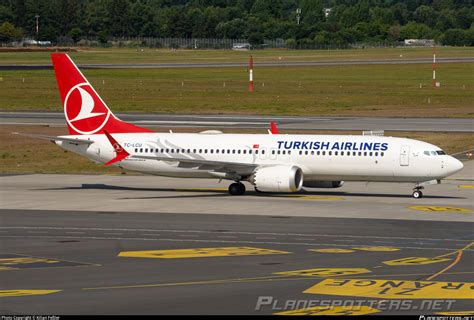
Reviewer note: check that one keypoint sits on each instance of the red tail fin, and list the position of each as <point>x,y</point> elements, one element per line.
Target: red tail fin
<point>85,111</point>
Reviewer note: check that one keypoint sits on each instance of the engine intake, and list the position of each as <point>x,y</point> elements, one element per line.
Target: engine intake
<point>323,184</point>
<point>277,178</point>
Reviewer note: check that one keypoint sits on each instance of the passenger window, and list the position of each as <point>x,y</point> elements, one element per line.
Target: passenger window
<point>360,153</point>
<point>312,153</point>
<point>306,152</point>
<point>244,151</point>
<point>273,151</point>
<point>238,151</point>
<point>200,150</point>
<point>301,152</point>
<point>342,153</point>
<point>335,153</point>
<point>263,151</point>
<point>256,151</point>
<point>382,154</point>
<point>365,154</point>
<point>370,153</point>
<point>136,150</point>
<point>318,153</point>
<point>212,150</point>
<point>146,150</point>
<point>205,150</point>
<point>376,154</point>
<point>354,153</point>
<point>289,151</point>
<point>233,151</point>
<point>330,153</point>
<point>324,153</point>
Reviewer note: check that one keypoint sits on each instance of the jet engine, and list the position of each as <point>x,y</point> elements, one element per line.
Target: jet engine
<point>277,178</point>
<point>323,184</point>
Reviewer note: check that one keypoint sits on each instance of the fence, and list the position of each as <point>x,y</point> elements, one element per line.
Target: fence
<point>199,43</point>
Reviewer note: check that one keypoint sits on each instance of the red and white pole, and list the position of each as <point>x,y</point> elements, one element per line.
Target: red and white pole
<point>251,74</point>
<point>434,68</point>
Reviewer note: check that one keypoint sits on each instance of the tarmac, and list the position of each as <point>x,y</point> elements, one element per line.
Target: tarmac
<point>131,244</point>
<point>257,122</point>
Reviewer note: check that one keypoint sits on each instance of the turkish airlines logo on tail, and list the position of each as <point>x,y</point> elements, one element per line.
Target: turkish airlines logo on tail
<point>85,111</point>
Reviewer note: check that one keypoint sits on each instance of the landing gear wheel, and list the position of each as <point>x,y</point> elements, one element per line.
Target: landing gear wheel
<point>237,189</point>
<point>417,194</point>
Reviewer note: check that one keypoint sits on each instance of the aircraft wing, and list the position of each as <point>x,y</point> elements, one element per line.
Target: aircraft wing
<point>54,138</point>
<point>219,166</point>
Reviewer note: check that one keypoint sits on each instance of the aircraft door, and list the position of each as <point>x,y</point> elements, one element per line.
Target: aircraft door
<point>405,156</point>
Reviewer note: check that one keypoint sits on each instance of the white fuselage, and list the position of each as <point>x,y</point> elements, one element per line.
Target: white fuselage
<point>321,157</point>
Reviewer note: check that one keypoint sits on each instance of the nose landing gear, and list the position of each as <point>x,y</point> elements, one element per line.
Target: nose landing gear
<point>237,189</point>
<point>417,194</point>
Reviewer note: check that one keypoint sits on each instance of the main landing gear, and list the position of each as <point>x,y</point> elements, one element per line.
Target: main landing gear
<point>417,194</point>
<point>237,189</point>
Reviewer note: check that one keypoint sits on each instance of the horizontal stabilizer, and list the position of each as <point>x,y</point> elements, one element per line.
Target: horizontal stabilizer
<point>76,141</point>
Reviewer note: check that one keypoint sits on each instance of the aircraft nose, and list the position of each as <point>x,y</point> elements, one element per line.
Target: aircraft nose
<point>455,165</point>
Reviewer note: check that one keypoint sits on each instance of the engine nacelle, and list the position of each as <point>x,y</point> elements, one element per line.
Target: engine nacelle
<point>277,178</point>
<point>323,184</point>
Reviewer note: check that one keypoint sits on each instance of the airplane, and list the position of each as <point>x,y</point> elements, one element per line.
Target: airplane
<point>271,162</point>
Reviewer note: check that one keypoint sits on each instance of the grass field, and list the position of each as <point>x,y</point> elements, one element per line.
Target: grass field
<point>114,55</point>
<point>375,90</point>
<point>21,154</point>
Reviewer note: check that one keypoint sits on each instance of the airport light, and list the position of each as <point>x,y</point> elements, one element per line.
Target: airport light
<point>37,26</point>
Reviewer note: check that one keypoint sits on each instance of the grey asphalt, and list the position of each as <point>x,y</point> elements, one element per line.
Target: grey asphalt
<point>65,233</point>
<point>241,64</point>
<point>93,279</point>
<point>257,122</point>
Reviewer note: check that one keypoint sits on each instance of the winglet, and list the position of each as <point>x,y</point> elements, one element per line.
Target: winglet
<point>119,150</point>
<point>274,128</point>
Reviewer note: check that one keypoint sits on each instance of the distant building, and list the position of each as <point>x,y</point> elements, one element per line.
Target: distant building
<point>327,11</point>
<point>419,42</point>
<point>241,46</point>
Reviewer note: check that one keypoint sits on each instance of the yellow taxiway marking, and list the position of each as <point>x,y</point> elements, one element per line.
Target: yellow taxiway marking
<point>200,253</point>
<point>380,249</point>
<point>330,311</point>
<point>439,209</point>
<point>456,313</point>
<point>7,268</point>
<point>247,280</point>
<point>469,186</point>
<point>332,250</point>
<point>325,272</point>
<point>27,260</point>
<point>19,293</point>
<point>410,261</point>
<point>456,260</point>
<point>394,289</point>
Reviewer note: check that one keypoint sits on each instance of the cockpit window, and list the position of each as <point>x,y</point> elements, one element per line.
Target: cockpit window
<point>427,153</point>
<point>433,153</point>
<point>440,152</point>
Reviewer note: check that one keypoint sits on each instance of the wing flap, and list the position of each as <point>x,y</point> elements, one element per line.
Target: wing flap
<point>200,164</point>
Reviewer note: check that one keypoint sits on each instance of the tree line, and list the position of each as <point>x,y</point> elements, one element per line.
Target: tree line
<point>319,22</point>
